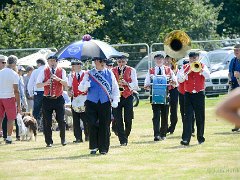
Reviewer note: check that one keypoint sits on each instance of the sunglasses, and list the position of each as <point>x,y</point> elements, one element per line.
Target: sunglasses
<point>3,62</point>
<point>121,61</point>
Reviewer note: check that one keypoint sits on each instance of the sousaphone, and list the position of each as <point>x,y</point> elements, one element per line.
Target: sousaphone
<point>176,44</point>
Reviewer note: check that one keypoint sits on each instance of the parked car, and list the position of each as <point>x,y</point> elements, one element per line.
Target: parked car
<point>220,58</point>
<point>217,84</point>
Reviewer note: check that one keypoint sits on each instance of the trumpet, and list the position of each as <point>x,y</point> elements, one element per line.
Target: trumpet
<point>194,67</point>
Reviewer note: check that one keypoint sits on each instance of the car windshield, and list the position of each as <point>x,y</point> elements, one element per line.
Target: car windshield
<point>219,57</point>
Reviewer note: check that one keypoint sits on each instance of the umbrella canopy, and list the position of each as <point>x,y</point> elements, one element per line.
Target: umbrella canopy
<point>87,49</point>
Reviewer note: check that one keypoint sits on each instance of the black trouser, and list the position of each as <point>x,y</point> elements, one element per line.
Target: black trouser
<point>47,107</point>
<point>99,117</point>
<point>37,107</point>
<point>194,103</point>
<point>77,131</point>
<point>4,127</point>
<point>173,104</point>
<point>181,103</point>
<point>126,105</point>
<point>160,110</point>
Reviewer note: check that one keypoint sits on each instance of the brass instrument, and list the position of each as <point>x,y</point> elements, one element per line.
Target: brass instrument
<point>176,44</point>
<point>174,65</point>
<point>194,67</point>
<point>51,85</point>
<point>121,88</point>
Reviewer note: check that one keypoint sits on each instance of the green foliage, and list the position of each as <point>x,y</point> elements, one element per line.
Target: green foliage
<point>51,23</point>
<point>229,14</point>
<point>150,20</point>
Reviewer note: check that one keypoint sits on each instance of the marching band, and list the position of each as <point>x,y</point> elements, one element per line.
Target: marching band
<point>105,93</point>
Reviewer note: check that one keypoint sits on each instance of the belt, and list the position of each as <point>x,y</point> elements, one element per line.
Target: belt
<point>51,97</point>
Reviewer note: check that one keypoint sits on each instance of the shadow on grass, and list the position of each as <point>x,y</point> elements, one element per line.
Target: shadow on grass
<point>182,147</point>
<point>227,133</point>
<point>145,142</point>
<point>173,137</point>
<point>83,156</point>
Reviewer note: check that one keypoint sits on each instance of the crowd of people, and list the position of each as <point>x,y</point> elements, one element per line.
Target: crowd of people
<point>103,95</point>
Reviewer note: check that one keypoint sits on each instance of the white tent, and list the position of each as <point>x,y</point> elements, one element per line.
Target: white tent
<point>31,59</point>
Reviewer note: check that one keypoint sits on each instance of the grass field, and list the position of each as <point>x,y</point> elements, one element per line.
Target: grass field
<point>217,158</point>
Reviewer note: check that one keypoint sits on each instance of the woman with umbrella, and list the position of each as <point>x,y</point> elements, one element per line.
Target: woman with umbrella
<point>103,92</point>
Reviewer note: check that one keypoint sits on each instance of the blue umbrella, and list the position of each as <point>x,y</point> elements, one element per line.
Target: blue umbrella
<point>87,49</point>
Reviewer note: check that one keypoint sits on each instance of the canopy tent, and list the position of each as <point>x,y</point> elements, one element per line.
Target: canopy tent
<point>31,59</point>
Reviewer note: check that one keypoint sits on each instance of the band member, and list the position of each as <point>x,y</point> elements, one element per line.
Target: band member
<point>194,85</point>
<point>53,78</point>
<point>160,109</point>
<point>181,101</point>
<point>234,74</point>
<point>78,100</point>
<point>103,93</point>
<point>173,95</point>
<point>127,81</point>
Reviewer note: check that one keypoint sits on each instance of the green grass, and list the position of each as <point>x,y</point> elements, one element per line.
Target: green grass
<point>217,158</point>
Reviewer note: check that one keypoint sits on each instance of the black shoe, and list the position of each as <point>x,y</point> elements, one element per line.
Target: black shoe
<point>157,138</point>
<point>235,129</point>
<point>18,139</point>
<point>123,144</point>
<point>162,138</point>
<point>200,142</point>
<point>93,151</point>
<point>49,145</point>
<point>103,153</point>
<point>78,141</point>
<point>185,143</point>
<point>8,142</point>
<point>63,142</point>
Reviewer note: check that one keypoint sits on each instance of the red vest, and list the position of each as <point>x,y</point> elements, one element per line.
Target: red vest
<point>195,82</point>
<point>181,88</point>
<point>75,85</point>
<point>57,87</point>
<point>127,77</point>
<point>167,73</point>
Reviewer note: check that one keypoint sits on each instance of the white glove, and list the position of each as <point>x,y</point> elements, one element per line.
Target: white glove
<point>114,104</point>
<point>87,84</point>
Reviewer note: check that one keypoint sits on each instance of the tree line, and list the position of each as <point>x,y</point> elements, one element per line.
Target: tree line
<point>55,23</point>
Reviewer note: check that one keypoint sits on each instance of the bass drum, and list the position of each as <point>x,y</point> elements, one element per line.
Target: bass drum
<point>78,103</point>
<point>159,89</point>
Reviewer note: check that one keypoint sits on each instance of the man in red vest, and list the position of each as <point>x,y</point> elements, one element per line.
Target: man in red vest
<point>78,100</point>
<point>160,109</point>
<point>127,80</point>
<point>53,79</point>
<point>194,86</point>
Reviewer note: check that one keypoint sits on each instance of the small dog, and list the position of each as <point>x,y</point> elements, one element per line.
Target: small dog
<point>27,126</point>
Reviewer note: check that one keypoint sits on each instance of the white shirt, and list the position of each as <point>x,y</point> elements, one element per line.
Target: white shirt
<point>41,76</point>
<point>134,84</point>
<point>182,76</point>
<point>147,81</point>
<point>8,77</point>
<point>115,96</point>
<point>31,86</point>
<point>70,78</point>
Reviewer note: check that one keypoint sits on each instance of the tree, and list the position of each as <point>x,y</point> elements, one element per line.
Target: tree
<point>51,23</point>
<point>229,14</point>
<point>150,20</point>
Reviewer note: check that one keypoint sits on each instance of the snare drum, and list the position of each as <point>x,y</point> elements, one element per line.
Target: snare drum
<point>159,89</point>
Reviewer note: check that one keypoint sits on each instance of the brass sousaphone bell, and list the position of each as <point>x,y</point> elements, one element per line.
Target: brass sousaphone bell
<point>176,44</point>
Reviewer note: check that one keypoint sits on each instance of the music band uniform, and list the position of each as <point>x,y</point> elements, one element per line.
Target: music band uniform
<point>194,99</point>
<point>73,82</point>
<point>53,99</point>
<point>159,110</point>
<point>124,120</point>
